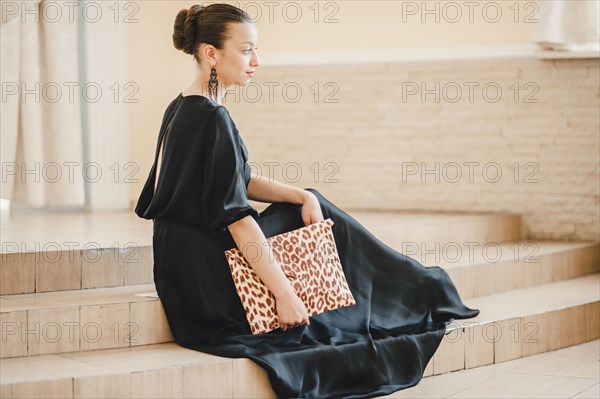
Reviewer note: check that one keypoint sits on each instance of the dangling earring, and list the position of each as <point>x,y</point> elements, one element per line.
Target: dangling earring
<point>213,84</point>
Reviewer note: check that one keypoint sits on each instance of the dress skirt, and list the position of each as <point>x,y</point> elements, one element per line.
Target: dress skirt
<point>378,346</point>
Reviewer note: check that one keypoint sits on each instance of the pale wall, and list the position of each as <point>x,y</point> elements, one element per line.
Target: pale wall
<point>528,144</point>
<point>371,135</point>
<point>161,72</point>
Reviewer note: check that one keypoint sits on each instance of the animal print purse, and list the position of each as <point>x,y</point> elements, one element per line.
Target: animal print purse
<point>308,257</point>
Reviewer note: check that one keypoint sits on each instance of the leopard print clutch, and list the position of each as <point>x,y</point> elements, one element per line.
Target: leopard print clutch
<point>308,257</point>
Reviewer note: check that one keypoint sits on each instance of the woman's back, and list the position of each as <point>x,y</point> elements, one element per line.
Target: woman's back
<point>203,166</point>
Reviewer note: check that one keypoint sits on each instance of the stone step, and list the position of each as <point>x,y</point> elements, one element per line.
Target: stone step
<point>406,230</point>
<point>524,322</point>
<point>103,318</point>
<point>81,320</point>
<point>511,325</point>
<point>499,267</point>
<point>60,252</point>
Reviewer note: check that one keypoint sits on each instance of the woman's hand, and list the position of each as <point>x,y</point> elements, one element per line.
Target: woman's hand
<point>311,209</point>
<point>291,310</point>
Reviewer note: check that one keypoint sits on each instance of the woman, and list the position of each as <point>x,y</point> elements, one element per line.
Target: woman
<point>199,205</point>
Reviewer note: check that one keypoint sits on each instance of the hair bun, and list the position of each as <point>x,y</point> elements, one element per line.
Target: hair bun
<point>185,28</point>
<point>205,24</point>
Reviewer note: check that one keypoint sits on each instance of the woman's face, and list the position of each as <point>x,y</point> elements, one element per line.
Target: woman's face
<point>239,55</point>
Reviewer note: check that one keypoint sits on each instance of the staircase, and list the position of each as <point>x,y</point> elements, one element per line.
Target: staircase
<point>79,318</point>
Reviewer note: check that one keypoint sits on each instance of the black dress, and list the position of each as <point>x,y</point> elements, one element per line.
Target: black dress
<point>378,346</point>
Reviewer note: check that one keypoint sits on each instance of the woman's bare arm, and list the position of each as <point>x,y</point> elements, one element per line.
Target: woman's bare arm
<point>263,189</point>
<point>250,239</point>
<point>291,311</point>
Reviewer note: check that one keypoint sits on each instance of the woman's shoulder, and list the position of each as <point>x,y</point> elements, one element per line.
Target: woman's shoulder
<point>205,111</point>
<point>203,108</point>
<point>198,102</point>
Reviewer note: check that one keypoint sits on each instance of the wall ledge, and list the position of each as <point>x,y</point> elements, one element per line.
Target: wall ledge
<point>557,55</point>
<point>424,54</point>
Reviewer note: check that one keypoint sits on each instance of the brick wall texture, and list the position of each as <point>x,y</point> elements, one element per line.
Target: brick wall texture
<point>511,135</point>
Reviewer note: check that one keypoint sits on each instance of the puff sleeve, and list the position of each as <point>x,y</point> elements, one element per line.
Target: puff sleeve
<point>224,172</point>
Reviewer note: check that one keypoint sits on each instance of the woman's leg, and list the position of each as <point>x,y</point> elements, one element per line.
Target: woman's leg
<point>392,272</point>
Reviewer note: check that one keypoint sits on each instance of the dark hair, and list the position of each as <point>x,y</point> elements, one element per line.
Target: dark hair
<point>207,24</point>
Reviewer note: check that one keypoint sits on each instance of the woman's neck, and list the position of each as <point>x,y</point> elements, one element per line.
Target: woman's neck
<point>200,87</point>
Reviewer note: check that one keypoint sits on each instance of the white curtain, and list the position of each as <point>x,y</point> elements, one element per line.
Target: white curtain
<point>569,25</point>
<point>41,136</point>
<point>62,144</point>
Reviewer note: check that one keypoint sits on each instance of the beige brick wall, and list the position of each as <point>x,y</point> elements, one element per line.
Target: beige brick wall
<point>522,136</point>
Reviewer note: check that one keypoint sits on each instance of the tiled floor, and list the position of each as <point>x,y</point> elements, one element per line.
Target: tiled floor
<point>573,372</point>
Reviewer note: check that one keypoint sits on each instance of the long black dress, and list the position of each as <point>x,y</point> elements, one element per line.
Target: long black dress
<point>378,346</point>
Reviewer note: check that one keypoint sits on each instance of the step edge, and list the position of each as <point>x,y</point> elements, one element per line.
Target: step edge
<point>217,359</point>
